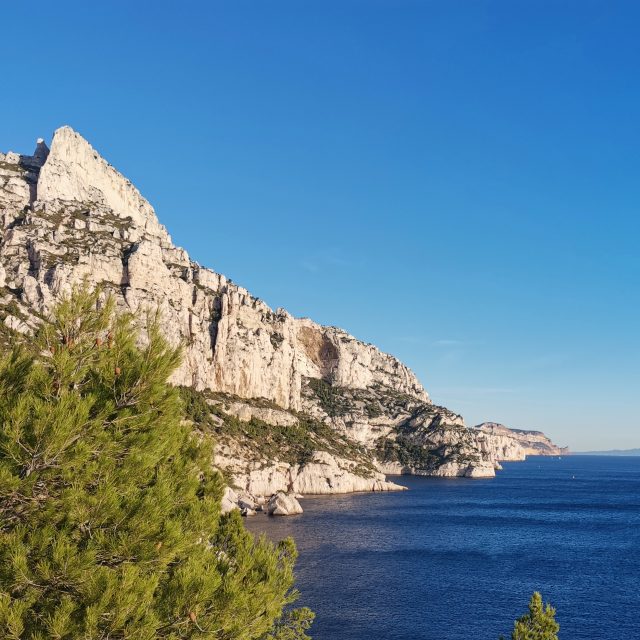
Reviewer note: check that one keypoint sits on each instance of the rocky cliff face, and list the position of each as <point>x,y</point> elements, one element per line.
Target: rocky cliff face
<point>506,444</point>
<point>68,216</point>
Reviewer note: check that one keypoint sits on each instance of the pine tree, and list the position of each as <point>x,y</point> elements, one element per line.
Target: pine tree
<point>110,511</point>
<point>538,624</point>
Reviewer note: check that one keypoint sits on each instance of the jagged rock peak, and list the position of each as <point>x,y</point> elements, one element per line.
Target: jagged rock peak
<point>75,172</point>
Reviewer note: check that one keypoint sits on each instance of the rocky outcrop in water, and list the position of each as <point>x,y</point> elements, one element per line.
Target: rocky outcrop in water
<point>282,504</point>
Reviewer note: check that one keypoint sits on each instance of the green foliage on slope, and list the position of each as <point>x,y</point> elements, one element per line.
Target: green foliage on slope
<point>331,398</point>
<point>292,443</point>
<point>408,454</point>
<point>111,524</point>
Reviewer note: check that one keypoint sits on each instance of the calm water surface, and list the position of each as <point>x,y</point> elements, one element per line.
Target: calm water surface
<point>458,559</point>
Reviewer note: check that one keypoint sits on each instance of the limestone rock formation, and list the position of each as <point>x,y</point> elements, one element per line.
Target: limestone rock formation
<point>282,504</point>
<point>506,444</point>
<point>76,217</point>
<point>267,450</point>
<point>230,500</point>
<point>74,172</point>
<point>67,216</point>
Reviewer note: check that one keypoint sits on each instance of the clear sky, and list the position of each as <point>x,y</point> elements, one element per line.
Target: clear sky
<point>456,182</point>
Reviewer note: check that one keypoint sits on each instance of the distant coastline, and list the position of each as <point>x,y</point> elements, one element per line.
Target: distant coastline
<point>610,452</point>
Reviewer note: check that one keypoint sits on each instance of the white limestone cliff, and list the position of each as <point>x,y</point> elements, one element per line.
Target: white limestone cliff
<point>75,172</point>
<point>505,444</point>
<point>68,216</point>
<point>88,221</point>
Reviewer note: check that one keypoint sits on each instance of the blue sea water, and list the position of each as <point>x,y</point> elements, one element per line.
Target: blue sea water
<point>453,559</point>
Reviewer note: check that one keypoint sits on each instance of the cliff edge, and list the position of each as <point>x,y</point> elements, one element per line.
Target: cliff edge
<point>505,444</point>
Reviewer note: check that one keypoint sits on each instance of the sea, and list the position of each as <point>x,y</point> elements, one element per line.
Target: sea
<point>458,559</point>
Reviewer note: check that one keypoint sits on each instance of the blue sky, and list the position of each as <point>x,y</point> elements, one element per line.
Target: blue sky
<point>456,182</point>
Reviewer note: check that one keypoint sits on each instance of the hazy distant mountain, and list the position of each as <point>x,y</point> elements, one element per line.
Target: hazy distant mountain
<point>611,452</point>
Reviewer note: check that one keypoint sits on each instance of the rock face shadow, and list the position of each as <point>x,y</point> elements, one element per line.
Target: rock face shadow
<point>32,165</point>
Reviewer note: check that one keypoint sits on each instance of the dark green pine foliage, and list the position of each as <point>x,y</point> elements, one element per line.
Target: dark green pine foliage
<point>110,524</point>
<point>538,624</point>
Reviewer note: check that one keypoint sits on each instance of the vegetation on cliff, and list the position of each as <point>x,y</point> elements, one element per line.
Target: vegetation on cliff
<point>446,443</point>
<point>111,524</point>
<point>293,443</point>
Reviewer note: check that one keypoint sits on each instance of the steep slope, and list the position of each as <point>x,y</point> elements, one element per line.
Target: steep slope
<point>68,216</point>
<point>84,219</point>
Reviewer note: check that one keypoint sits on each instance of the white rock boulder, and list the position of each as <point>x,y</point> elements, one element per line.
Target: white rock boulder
<point>282,504</point>
<point>229,500</point>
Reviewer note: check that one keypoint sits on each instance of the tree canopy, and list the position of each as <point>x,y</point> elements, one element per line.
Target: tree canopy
<point>538,624</point>
<point>111,524</point>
